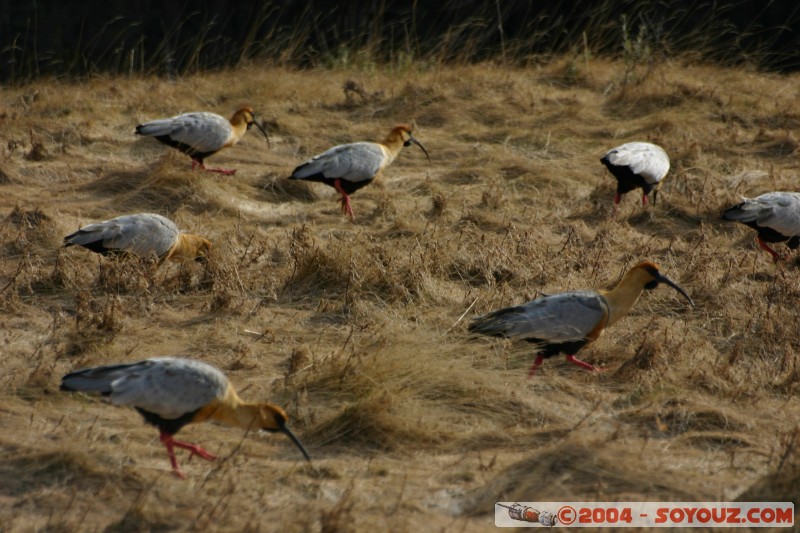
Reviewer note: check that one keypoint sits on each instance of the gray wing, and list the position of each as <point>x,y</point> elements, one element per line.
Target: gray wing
<point>141,234</point>
<point>204,132</point>
<point>568,316</point>
<point>776,210</point>
<point>168,387</point>
<point>352,162</point>
<point>647,160</point>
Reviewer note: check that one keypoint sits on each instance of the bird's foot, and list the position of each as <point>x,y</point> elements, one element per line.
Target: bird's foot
<point>346,209</point>
<point>226,171</point>
<point>776,257</point>
<point>194,449</point>
<point>583,364</point>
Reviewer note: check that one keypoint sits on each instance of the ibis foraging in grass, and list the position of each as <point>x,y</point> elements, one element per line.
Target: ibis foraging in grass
<point>141,234</point>
<point>568,321</point>
<point>348,167</point>
<point>202,134</point>
<point>637,165</point>
<point>774,215</point>
<point>172,392</point>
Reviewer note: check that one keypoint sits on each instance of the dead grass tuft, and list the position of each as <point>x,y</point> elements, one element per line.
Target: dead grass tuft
<point>32,471</point>
<point>28,230</point>
<point>587,471</point>
<point>279,189</point>
<point>339,518</point>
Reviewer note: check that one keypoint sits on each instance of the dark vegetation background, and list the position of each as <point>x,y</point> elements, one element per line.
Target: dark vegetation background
<point>76,38</point>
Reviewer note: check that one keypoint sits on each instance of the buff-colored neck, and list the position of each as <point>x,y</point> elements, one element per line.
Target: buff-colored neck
<point>188,247</point>
<point>230,410</point>
<point>393,142</point>
<point>622,297</point>
<point>238,127</point>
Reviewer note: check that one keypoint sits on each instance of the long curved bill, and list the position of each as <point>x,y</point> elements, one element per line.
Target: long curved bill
<point>413,140</point>
<point>285,429</point>
<point>259,126</point>
<point>664,279</point>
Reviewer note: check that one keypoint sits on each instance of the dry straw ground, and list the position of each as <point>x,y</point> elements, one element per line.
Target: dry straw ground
<point>357,329</point>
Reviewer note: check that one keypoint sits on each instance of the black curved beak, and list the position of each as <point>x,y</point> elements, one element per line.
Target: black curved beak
<point>283,428</point>
<point>259,126</point>
<point>664,279</point>
<point>413,140</point>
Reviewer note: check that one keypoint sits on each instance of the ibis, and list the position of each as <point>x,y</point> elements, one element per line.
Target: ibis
<point>171,392</point>
<point>201,134</point>
<point>568,321</point>
<point>349,167</point>
<point>774,215</point>
<point>141,234</point>
<point>637,165</point>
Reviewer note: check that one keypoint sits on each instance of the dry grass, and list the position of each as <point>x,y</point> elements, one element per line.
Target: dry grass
<point>357,328</point>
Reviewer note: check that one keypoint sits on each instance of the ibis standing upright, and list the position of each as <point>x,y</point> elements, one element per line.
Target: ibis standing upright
<point>348,167</point>
<point>171,392</point>
<point>568,321</point>
<point>637,165</point>
<point>774,215</point>
<point>201,134</point>
<point>141,234</point>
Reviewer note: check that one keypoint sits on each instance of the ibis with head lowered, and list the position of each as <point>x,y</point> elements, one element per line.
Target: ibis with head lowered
<point>349,167</point>
<point>173,392</point>
<point>201,134</point>
<point>774,215</point>
<point>141,234</point>
<point>568,321</point>
<point>637,165</point>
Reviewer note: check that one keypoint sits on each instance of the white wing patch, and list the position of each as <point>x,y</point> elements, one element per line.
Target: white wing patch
<point>352,162</point>
<point>141,234</point>
<point>776,210</point>
<point>647,160</point>
<point>564,317</point>
<point>202,131</point>
<point>169,387</point>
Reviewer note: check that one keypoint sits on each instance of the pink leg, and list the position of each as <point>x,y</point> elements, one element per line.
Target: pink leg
<point>227,172</point>
<point>170,443</point>
<point>617,198</point>
<point>536,364</point>
<point>583,364</point>
<point>764,246</point>
<point>644,199</point>
<point>346,209</point>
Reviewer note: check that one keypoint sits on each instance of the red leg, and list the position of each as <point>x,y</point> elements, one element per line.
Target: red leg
<point>536,365</point>
<point>346,209</point>
<point>226,171</point>
<point>644,199</point>
<point>583,364</point>
<point>169,442</point>
<point>764,246</point>
<point>617,198</point>
<point>195,449</point>
<point>166,439</point>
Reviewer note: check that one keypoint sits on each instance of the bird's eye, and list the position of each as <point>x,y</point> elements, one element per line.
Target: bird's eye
<point>652,285</point>
<point>407,143</point>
